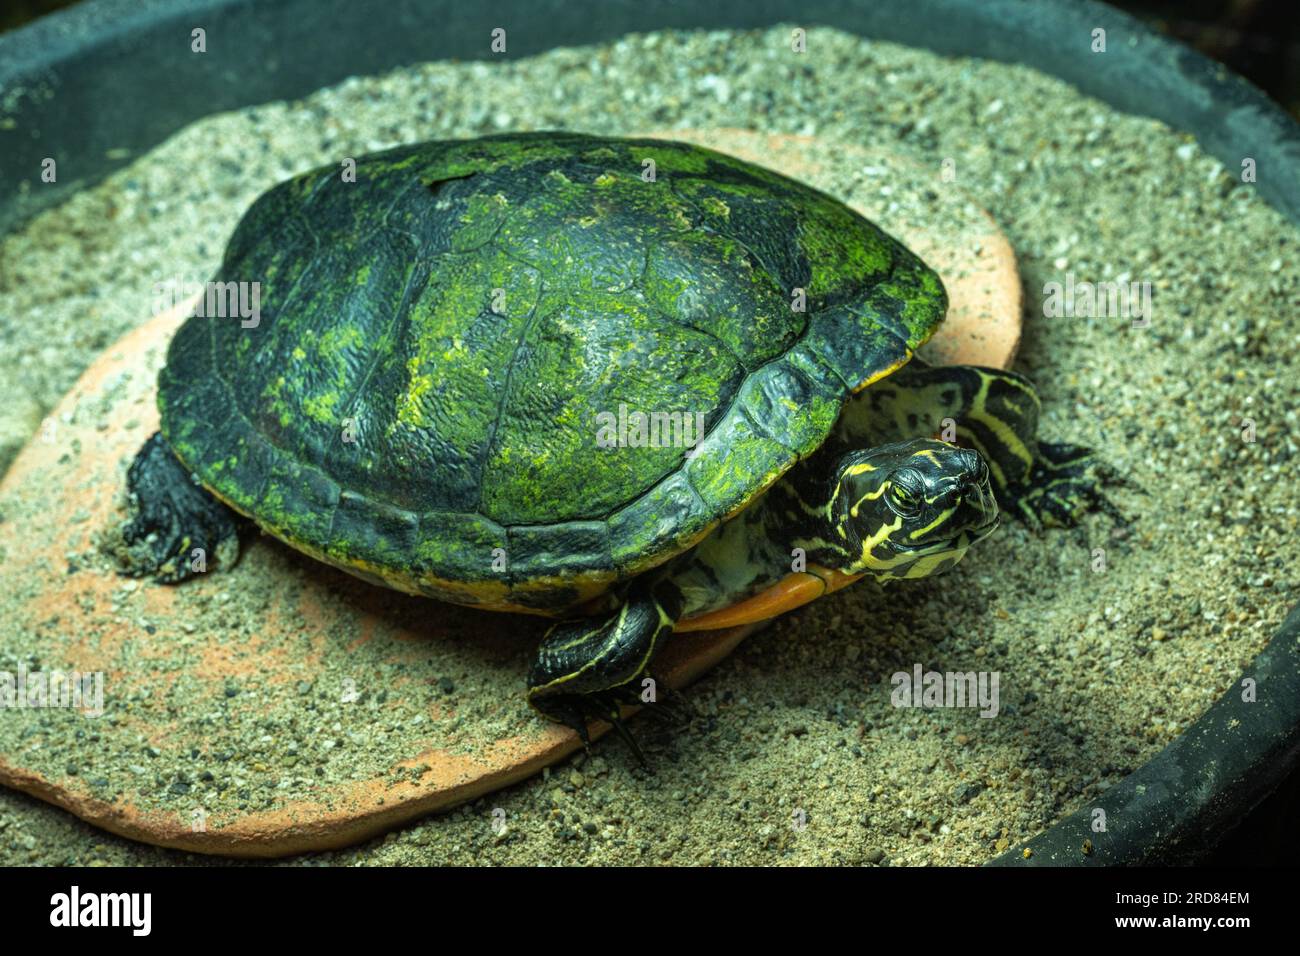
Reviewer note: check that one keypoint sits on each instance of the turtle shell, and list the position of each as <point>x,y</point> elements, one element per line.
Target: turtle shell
<point>443,387</point>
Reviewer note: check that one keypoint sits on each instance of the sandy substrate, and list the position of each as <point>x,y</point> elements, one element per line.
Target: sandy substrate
<point>797,754</point>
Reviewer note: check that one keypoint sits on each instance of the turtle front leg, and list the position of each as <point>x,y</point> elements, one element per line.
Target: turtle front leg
<point>589,669</point>
<point>1065,483</point>
<point>996,412</point>
<point>177,528</point>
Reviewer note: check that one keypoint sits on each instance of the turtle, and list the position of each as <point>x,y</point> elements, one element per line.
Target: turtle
<point>632,385</point>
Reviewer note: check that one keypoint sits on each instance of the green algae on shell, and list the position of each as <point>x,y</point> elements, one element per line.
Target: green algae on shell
<point>437,337</point>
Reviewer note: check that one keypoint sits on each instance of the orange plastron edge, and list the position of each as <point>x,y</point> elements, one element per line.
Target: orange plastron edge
<point>792,591</point>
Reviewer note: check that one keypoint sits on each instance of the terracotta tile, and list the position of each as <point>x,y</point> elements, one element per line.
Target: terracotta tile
<point>50,482</point>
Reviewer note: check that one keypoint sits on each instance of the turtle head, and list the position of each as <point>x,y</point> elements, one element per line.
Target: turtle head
<point>910,509</point>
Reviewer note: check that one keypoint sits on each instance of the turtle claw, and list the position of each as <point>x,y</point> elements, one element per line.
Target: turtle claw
<point>664,713</point>
<point>669,707</point>
<point>620,727</point>
<point>176,527</point>
<point>571,715</point>
<point>576,711</point>
<point>1067,482</point>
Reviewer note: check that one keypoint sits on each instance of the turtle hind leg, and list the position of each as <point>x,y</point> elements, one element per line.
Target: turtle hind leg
<point>177,529</point>
<point>1065,483</point>
<point>590,669</point>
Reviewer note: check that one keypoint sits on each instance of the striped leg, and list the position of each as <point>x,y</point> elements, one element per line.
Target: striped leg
<point>1066,482</point>
<point>589,669</point>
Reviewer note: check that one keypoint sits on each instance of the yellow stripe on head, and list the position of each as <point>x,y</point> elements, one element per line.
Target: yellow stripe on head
<point>940,519</point>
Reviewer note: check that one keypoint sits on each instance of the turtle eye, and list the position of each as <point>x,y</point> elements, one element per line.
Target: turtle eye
<point>904,501</point>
